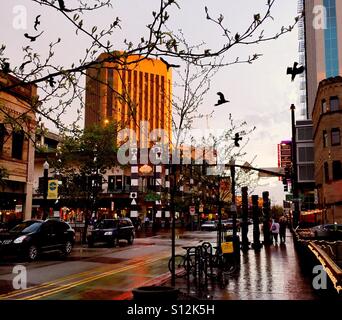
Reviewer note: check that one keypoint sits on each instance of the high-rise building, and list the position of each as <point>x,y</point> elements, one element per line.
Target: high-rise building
<point>322,44</point>
<point>129,93</point>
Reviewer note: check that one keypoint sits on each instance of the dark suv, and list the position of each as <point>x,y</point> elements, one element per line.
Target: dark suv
<point>111,231</point>
<point>31,237</point>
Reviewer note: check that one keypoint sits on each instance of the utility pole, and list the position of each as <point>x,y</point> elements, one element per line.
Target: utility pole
<point>256,232</point>
<point>266,211</point>
<point>245,242</point>
<point>173,175</point>
<point>294,169</point>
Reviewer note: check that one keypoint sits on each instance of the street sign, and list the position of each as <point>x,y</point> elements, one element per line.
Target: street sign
<point>192,210</point>
<point>316,196</point>
<point>52,189</point>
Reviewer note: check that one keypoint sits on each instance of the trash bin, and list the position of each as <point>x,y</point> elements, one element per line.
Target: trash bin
<point>155,294</point>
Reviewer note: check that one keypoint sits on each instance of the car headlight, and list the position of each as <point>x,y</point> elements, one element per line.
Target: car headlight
<point>108,233</point>
<point>20,239</point>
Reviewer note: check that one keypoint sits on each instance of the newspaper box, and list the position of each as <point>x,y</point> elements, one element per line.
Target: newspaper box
<point>227,247</point>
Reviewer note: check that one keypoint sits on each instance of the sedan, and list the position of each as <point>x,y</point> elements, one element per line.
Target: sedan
<point>110,231</point>
<point>327,231</point>
<point>209,226</point>
<point>31,237</point>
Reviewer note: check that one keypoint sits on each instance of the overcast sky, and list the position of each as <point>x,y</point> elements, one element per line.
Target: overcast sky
<point>260,94</point>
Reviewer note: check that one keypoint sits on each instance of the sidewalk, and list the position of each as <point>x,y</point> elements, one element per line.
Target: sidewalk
<point>274,273</point>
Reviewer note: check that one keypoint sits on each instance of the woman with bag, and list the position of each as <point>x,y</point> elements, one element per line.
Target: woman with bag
<point>275,231</point>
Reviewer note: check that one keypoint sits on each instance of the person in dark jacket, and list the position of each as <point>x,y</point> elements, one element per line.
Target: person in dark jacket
<point>282,229</point>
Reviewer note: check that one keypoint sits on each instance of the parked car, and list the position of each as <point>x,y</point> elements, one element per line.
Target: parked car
<point>32,237</point>
<point>327,231</point>
<point>3,227</point>
<point>228,224</point>
<point>209,225</point>
<point>111,231</point>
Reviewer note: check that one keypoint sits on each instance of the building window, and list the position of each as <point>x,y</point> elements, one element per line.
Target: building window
<point>3,133</point>
<point>304,134</point>
<point>305,154</point>
<point>115,183</point>
<point>306,172</point>
<point>326,172</point>
<point>17,145</point>
<point>330,40</point>
<point>334,104</point>
<point>325,139</point>
<point>337,170</point>
<point>324,106</point>
<point>335,137</point>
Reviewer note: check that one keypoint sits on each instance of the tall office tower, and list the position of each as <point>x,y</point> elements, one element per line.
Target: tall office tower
<point>323,44</point>
<point>130,93</point>
<point>302,61</point>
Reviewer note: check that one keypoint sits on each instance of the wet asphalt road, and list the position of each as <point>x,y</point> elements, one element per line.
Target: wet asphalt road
<point>99,272</point>
<point>111,273</point>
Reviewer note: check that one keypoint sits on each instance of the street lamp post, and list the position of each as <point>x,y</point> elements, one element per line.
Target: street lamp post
<point>45,188</point>
<point>294,168</point>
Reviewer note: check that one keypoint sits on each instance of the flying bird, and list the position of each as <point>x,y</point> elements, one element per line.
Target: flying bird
<point>236,139</point>
<point>222,99</point>
<point>295,71</point>
<point>32,38</point>
<point>169,65</point>
<point>52,82</point>
<point>37,22</point>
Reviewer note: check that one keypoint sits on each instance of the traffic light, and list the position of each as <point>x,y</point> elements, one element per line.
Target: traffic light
<point>237,138</point>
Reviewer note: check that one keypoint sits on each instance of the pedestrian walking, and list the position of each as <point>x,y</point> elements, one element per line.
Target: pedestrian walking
<point>275,231</point>
<point>282,229</point>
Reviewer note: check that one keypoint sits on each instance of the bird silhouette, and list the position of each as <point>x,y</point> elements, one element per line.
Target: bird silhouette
<point>52,82</point>
<point>6,67</point>
<point>236,139</point>
<point>295,71</point>
<point>169,65</point>
<point>32,38</point>
<point>22,66</point>
<point>36,22</point>
<point>62,6</point>
<point>221,100</point>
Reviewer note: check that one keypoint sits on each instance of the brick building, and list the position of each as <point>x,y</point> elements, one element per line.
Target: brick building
<point>327,121</point>
<point>16,147</point>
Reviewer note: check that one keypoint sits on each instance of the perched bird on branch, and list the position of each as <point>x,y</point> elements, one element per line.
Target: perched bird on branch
<point>36,22</point>
<point>6,67</point>
<point>62,6</point>
<point>169,65</point>
<point>295,71</point>
<point>32,38</point>
<point>22,66</point>
<point>222,99</point>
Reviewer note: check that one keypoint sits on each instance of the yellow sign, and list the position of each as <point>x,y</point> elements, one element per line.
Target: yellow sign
<point>227,247</point>
<point>52,189</point>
